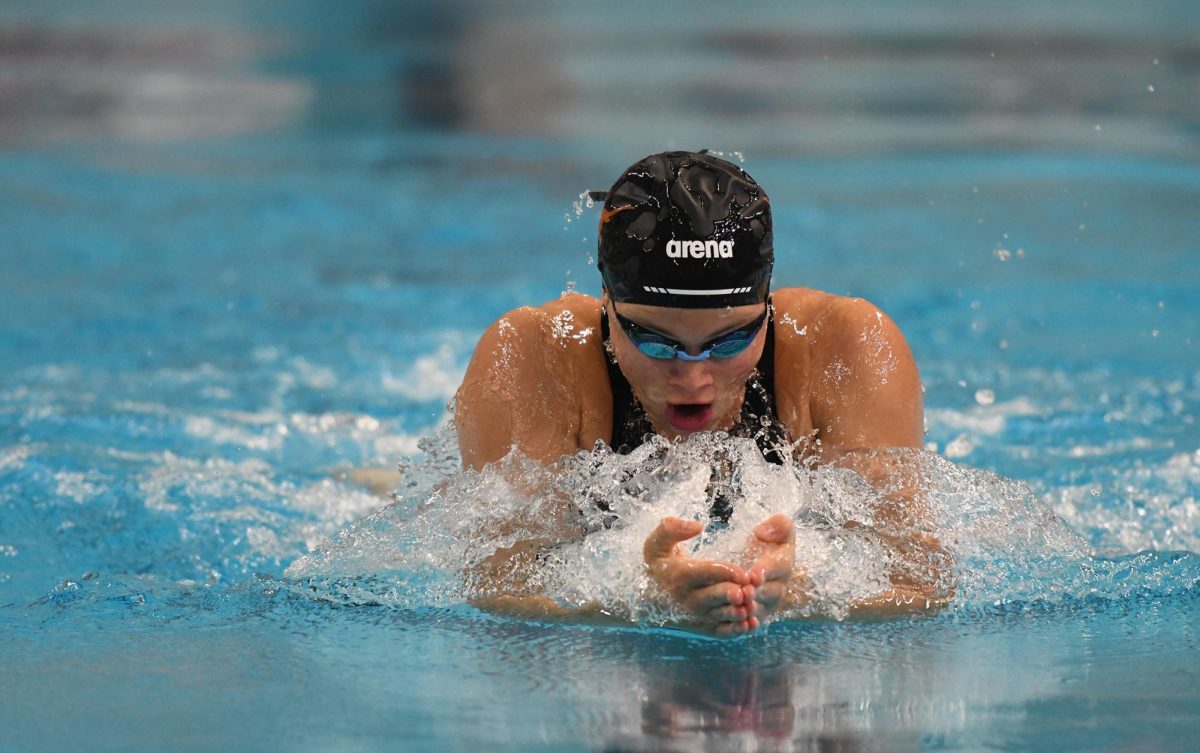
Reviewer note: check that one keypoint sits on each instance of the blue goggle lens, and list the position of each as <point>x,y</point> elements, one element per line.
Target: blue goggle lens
<point>655,349</point>
<point>664,348</point>
<point>730,348</point>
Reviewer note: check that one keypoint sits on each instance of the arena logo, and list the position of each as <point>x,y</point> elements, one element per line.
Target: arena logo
<point>700,249</point>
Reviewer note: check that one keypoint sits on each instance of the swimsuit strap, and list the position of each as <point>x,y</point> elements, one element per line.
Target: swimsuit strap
<point>630,425</point>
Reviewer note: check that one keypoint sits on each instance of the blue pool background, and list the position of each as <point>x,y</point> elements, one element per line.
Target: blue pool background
<point>246,248</point>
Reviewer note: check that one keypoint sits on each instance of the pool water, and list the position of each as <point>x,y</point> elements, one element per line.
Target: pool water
<point>249,248</point>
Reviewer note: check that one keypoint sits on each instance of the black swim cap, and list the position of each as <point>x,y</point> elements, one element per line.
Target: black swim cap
<point>688,230</point>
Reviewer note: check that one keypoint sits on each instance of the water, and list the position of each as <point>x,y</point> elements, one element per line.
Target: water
<point>248,249</point>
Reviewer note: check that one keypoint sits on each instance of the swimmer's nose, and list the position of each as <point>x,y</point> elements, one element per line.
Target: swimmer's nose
<point>690,377</point>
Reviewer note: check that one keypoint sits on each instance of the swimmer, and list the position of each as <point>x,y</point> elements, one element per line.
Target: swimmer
<point>688,336</point>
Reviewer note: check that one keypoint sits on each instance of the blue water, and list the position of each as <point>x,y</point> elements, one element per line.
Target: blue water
<point>246,249</point>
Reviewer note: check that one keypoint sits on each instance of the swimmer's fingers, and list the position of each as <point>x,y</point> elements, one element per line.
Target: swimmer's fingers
<point>775,539</point>
<point>700,573</point>
<point>768,597</point>
<point>664,539</point>
<point>777,529</point>
<point>772,567</point>
<point>699,585</point>
<point>772,572</point>
<point>771,575</point>
<point>702,601</point>
<point>727,613</point>
<point>734,629</point>
<point>663,544</point>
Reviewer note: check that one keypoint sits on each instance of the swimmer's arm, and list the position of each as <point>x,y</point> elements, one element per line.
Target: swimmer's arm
<point>516,395</point>
<point>921,572</point>
<point>544,609</point>
<point>920,576</point>
<point>511,395</point>
<point>896,602</point>
<point>501,582</point>
<point>867,399</point>
<point>867,391</point>
<point>517,392</point>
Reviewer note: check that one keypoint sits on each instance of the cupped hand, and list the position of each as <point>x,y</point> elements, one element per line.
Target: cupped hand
<point>719,596</point>
<point>773,551</point>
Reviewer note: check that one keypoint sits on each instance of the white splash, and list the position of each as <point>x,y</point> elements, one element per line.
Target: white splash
<point>594,510</point>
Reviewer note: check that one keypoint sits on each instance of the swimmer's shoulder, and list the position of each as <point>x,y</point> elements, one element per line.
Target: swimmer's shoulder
<point>824,321</point>
<point>552,336</point>
<point>799,305</point>
<point>564,325</point>
<point>565,336</point>
<point>543,366</point>
<point>844,372</point>
<point>796,311</point>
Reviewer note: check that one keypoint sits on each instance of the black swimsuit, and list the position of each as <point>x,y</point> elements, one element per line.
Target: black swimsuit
<point>758,419</point>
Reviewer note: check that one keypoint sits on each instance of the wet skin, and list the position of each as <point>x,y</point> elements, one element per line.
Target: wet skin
<point>725,598</point>
<point>845,381</point>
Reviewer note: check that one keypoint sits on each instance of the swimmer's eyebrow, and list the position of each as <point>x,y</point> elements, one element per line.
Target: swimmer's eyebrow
<point>730,330</point>
<point>707,338</point>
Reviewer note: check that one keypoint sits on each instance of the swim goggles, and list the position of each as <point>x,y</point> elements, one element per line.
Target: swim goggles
<point>654,345</point>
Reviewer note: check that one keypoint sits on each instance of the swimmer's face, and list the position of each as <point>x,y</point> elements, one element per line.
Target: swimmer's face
<point>683,397</point>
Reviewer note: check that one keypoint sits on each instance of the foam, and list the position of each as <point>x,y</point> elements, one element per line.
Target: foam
<point>1003,543</point>
<point>1156,509</point>
<point>78,486</point>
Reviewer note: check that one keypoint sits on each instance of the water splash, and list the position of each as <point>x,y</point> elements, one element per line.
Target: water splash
<point>591,513</point>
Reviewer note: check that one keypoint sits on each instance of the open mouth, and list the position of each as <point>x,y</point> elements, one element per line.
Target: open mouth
<point>689,416</point>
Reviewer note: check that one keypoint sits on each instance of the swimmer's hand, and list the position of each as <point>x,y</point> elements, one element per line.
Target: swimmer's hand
<point>772,572</point>
<point>717,595</point>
